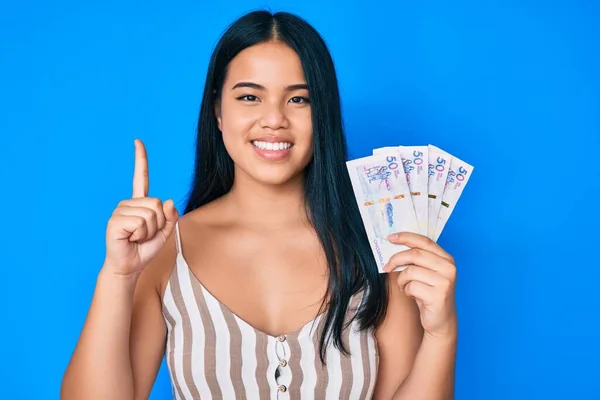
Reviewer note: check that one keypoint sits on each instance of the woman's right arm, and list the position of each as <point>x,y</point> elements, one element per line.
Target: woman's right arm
<point>122,342</point>
<point>123,339</point>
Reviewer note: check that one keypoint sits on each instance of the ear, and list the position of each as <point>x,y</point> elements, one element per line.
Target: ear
<point>217,108</point>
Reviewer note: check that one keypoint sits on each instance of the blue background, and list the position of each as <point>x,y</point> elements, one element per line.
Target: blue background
<point>510,86</point>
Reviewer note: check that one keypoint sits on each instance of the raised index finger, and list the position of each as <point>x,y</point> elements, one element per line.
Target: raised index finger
<point>140,173</point>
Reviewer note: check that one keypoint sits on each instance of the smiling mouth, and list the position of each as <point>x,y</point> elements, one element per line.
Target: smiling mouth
<point>272,146</point>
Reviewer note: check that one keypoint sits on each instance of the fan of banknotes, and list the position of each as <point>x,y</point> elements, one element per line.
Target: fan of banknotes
<point>406,189</point>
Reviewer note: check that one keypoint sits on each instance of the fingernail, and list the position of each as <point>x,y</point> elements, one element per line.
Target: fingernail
<point>392,236</point>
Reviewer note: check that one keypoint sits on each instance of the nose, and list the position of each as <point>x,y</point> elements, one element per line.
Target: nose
<point>273,117</point>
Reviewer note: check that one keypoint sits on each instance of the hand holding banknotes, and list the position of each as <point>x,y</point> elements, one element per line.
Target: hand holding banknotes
<point>138,227</point>
<point>429,277</point>
<point>405,196</point>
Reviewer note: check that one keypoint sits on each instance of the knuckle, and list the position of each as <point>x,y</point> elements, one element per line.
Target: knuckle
<point>444,297</point>
<point>416,252</point>
<point>140,221</point>
<point>111,222</point>
<point>446,285</point>
<point>452,272</point>
<point>156,202</point>
<point>150,213</point>
<point>143,213</point>
<point>392,260</point>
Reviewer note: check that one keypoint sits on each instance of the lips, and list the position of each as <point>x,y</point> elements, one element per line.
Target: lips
<point>274,146</point>
<point>272,151</point>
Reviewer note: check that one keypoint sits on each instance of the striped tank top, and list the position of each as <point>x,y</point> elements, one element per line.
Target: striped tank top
<point>211,353</point>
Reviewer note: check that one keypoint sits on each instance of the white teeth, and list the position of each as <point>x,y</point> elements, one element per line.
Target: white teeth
<point>277,146</point>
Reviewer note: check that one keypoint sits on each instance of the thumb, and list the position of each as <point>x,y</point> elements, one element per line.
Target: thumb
<point>171,215</point>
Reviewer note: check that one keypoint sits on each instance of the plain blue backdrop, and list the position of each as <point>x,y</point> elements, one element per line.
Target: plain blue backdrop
<point>510,86</point>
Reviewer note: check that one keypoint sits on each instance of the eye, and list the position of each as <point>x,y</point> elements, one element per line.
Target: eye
<point>248,97</point>
<point>299,100</point>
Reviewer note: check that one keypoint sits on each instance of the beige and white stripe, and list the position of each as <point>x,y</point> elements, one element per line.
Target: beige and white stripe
<point>213,354</point>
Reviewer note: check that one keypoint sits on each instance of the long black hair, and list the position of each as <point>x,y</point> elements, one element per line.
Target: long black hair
<point>329,198</point>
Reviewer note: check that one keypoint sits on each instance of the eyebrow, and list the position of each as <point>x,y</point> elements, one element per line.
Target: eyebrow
<point>298,86</point>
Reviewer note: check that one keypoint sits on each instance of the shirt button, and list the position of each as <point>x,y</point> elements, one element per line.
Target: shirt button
<point>282,388</point>
<point>281,338</point>
<point>283,363</point>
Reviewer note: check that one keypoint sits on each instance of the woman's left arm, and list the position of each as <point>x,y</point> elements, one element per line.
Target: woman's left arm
<point>417,340</point>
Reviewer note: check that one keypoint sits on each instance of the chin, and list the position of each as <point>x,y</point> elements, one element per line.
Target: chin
<point>288,169</point>
<point>276,176</point>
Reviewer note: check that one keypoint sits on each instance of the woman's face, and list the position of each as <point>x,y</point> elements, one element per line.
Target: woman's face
<point>265,115</point>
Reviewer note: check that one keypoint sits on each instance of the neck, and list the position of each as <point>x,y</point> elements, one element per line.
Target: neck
<point>269,206</point>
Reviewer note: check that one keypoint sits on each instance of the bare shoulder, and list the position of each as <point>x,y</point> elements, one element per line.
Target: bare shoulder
<point>203,220</point>
<point>193,224</point>
<point>213,214</point>
<point>160,269</point>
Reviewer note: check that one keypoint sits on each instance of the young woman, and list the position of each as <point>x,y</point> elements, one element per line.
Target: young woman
<point>266,287</point>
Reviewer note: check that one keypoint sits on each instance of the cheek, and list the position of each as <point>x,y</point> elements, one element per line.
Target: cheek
<point>236,124</point>
<point>303,127</point>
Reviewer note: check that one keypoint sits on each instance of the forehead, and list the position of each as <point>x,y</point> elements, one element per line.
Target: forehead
<point>269,63</point>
